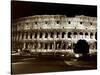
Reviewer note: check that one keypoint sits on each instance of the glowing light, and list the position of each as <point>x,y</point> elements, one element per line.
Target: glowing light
<point>77,55</point>
<point>62,55</point>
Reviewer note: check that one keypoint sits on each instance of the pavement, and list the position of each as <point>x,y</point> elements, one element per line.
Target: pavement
<point>27,64</point>
<point>82,64</point>
<point>37,66</point>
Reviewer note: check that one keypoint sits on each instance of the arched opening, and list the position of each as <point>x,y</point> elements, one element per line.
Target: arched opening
<point>26,35</point>
<point>81,22</point>
<point>69,34</point>
<point>31,35</point>
<point>30,45</point>
<point>64,45</point>
<point>81,34</point>
<point>69,22</point>
<point>63,34</point>
<point>35,36</point>
<point>40,35</point>
<point>35,45</point>
<point>57,22</point>
<point>69,45</point>
<point>46,35</point>
<point>86,35</point>
<point>26,46</point>
<point>75,34</point>
<point>81,47</point>
<point>22,35</point>
<point>52,35</point>
<point>46,45</point>
<point>58,34</point>
<point>50,45</point>
<point>58,45</point>
<point>91,35</point>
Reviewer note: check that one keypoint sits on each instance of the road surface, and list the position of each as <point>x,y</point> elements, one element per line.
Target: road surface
<point>38,65</point>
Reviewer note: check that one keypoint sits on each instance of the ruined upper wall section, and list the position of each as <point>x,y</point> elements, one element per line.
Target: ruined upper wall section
<point>55,21</point>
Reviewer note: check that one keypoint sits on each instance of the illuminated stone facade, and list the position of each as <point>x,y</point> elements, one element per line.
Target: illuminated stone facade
<point>53,33</point>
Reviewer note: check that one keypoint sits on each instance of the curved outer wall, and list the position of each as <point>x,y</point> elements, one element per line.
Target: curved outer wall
<point>53,33</point>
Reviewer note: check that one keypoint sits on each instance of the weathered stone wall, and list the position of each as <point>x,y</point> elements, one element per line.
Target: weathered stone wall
<point>53,32</point>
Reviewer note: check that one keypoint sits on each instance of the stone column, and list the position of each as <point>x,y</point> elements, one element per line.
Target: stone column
<point>93,35</point>
<point>32,36</point>
<point>38,46</point>
<point>72,35</point>
<point>32,48</point>
<point>78,35</point>
<point>28,36</point>
<point>60,35</point>
<point>43,35</point>
<point>83,34</point>
<point>43,46</point>
<point>54,46</point>
<point>24,45</point>
<point>48,46</point>
<point>33,45</point>
<point>86,36</point>
<point>48,35</point>
<point>37,35</point>
<point>66,35</point>
<point>55,35</point>
<point>89,35</point>
<point>24,35</point>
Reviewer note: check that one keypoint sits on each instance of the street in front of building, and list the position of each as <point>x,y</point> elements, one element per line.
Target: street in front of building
<point>40,65</point>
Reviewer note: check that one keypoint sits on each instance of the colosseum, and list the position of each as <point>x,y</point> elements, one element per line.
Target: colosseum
<point>52,34</point>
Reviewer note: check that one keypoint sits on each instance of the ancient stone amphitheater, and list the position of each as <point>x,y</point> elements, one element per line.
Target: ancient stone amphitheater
<point>53,33</point>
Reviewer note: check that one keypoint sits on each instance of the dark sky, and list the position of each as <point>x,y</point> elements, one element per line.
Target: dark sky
<point>22,9</point>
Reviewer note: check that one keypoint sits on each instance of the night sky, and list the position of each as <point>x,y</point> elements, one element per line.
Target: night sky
<point>22,9</point>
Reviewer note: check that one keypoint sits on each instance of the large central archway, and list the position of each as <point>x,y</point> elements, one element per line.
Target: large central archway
<point>81,47</point>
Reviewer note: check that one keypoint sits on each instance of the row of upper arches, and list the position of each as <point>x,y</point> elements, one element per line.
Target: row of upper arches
<point>35,35</point>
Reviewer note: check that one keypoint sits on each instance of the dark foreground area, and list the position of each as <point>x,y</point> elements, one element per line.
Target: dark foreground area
<point>28,64</point>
